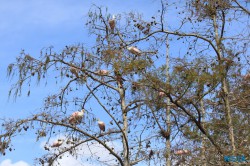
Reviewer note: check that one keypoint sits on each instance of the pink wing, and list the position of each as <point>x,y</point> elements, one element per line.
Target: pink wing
<point>137,50</point>
<point>112,24</point>
<point>55,144</point>
<point>161,94</point>
<point>102,126</point>
<point>73,118</point>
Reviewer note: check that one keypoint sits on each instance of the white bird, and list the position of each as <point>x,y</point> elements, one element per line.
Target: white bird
<point>134,50</point>
<point>112,24</point>
<point>101,125</point>
<point>57,143</point>
<point>76,117</point>
<point>103,72</point>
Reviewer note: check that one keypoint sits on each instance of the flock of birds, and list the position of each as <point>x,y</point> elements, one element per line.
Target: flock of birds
<point>74,119</point>
<point>77,116</point>
<point>131,49</point>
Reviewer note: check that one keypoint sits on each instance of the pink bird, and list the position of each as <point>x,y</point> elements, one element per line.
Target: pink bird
<point>161,94</point>
<point>112,24</point>
<point>101,125</point>
<point>134,50</point>
<point>181,152</point>
<point>74,71</point>
<point>57,143</point>
<point>103,72</point>
<point>247,76</point>
<point>76,117</point>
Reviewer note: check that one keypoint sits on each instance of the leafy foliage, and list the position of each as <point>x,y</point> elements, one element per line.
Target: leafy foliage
<point>208,94</point>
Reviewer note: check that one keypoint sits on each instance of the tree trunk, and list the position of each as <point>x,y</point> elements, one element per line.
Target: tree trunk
<point>125,124</point>
<point>228,115</point>
<point>168,113</point>
<point>224,87</point>
<point>203,147</point>
<point>168,142</point>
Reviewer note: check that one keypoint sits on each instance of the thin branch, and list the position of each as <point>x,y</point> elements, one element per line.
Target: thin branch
<point>244,9</point>
<point>106,110</point>
<point>84,133</point>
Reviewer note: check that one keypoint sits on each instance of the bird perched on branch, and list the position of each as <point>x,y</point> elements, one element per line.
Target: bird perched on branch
<point>180,152</point>
<point>102,72</point>
<point>76,117</point>
<point>161,94</point>
<point>112,24</point>
<point>74,71</point>
<point>101,125</point>
<point>134,50</point>
<point>57,143</point>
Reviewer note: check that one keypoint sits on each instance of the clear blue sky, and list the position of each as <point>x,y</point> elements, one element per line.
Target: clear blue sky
<point>32,25</point>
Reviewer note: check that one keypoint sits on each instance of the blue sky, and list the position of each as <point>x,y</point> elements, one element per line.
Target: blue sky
<point>32,25</point>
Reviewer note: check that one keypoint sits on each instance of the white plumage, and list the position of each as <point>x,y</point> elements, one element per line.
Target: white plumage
<point>134,50</point>
<point>103,72</point>
<point>76,117</point>
<point>112,24</point>
<point>101,125</point>
<point>57,143</point>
